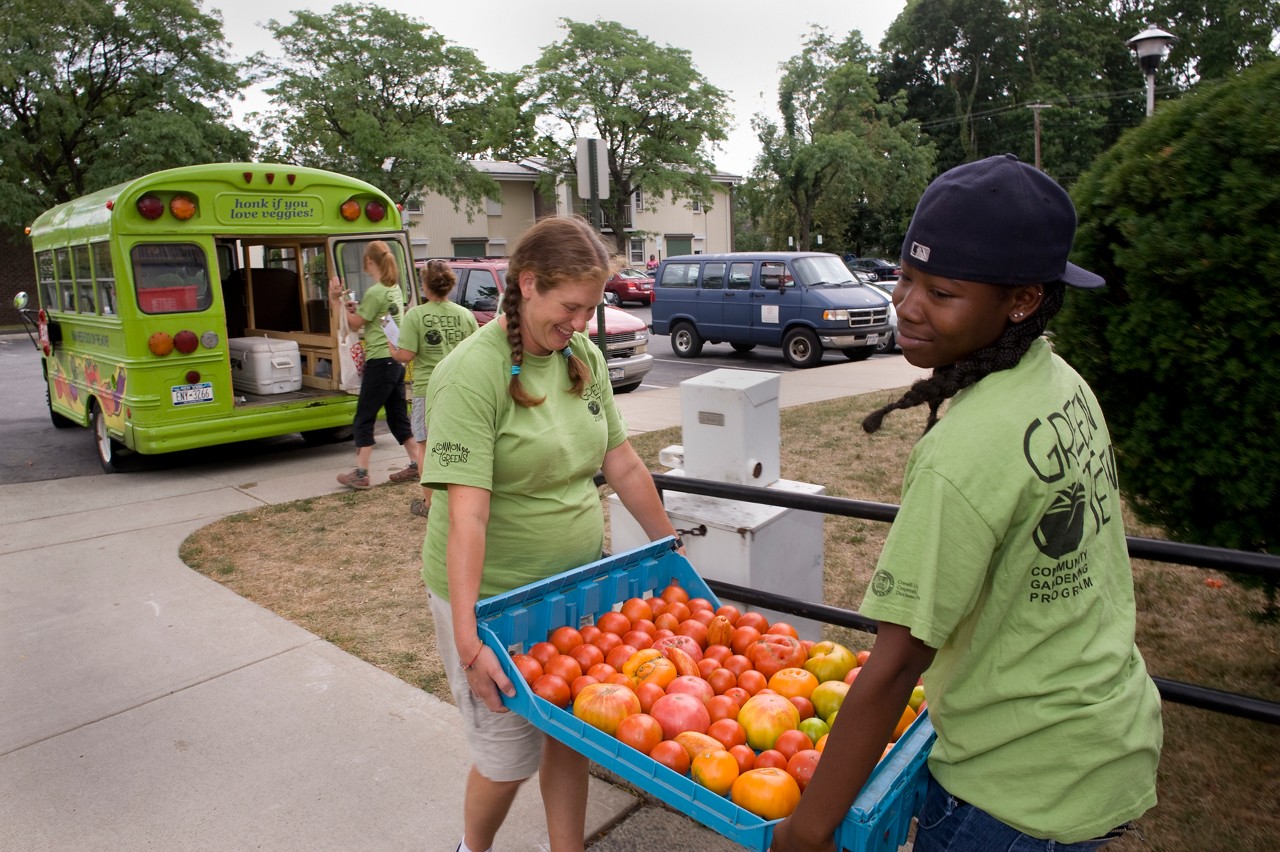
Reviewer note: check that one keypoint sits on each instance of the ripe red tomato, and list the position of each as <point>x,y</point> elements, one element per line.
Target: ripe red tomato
<point>721,679</point>
<point>553,688</point>
<point>801,765</point>
<point>636,608</point>
<point>736,663</point>
<point>640,731</point>
<point>804,705</point>
<point>614,622</point>
<point>618,656</point>
<point>606,642</point>
<point>565,638</point>
<point>674,592</point>
<point>587,655</point>
<point>590,632</point>
<point>719,653</point>
<point>743,637</point>
<point>722,707</point>
<point>773,652</point>
<point>783,628</point>
<point>637,639</point>
<point>530,669</point>
<point>604,705</point>
<point>671,755</point>
<point>703,615</point>
<point>696,604</point>
<point>771,757</point>
<point>692,685</point>
<point>600,671</point>
<point>644,625</point>
<point>565,666</point>
<point>706,666</point>
<point>679,711</point>
<point>745,756</point>
<point>753,619</point>
<point>752,681</point>
<point>792,741</point>
<point>730,612</point>
<point>679,609</point>
<point>542,651</point>
<point>728,732</point>
<point>648,693</point>
<point>666,621</point>
<point>738,694</point>
<point>695,630</point>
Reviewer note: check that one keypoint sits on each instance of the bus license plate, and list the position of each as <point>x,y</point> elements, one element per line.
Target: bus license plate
<point>615,373</point>
<point>187,394</point>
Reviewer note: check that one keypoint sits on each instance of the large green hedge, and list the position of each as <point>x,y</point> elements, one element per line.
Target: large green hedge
<point>1182,217</point>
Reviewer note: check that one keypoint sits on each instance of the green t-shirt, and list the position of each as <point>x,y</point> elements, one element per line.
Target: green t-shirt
<point>1008,556</point>
<point>431,330</point>
<point>545,513</point>
<point>378,301</point>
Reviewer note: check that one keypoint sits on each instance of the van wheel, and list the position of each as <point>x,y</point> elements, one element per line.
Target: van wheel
<point>801,347</point>
<point>742,347</point>
<point>335,435</point>
<point>685,341</point>
<point>886,344</point>
<point>108,447</point>
<point>860,353</point>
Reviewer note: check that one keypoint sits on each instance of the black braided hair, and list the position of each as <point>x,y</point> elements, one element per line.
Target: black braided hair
<point>1005,352</point>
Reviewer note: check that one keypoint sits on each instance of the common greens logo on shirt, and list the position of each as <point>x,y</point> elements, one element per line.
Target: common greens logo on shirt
<point>448,452</point>
<point>593,397</point>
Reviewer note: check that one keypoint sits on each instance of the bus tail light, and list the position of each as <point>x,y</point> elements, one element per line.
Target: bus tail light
<point>375,211</point>
<point>182,207</point>
<point>186,341</point>
<point>150,207</point>
<point>160,343</point>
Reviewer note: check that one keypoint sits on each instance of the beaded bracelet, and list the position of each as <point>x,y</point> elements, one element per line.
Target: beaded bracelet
<point>466,667</point>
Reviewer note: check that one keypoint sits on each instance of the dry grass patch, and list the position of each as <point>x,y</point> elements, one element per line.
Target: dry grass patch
<point>346,567</point>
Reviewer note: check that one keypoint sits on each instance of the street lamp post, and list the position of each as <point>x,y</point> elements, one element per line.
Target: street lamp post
<point>1151,45</point>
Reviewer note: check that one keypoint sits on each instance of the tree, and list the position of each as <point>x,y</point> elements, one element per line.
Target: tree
<point>656,114</point>
<point>839,150</point>
<point>1181,219</point>
<point>371,93</point>
<point>1216,38</point>
<point>93,93</point>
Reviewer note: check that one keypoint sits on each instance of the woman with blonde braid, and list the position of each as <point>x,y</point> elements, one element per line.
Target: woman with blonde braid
<point>521,416</point>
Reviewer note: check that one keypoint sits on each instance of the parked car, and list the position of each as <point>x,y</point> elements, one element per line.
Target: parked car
<point>631,285</point>
<point>881,268</point>
<point>479,289</point>
<point>804,302</point>
<point>889,342</point>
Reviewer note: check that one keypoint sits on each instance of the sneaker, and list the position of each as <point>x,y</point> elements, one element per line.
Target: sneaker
<point>355,479</point>
<point>419,507</point>
<point>410,473</point>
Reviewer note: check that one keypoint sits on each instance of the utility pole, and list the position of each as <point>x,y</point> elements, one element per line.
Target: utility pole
<point>1036,109</point>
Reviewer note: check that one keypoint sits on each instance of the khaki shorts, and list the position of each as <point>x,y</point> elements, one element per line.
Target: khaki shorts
<point>504,746</point>
<point>418,419</point>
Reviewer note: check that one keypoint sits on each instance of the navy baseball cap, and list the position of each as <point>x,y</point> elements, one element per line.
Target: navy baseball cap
<point>996,221</point>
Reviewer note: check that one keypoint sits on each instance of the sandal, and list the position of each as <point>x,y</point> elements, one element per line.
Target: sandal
<point>419,507</point>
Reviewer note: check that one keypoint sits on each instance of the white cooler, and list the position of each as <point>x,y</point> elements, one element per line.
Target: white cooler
<point>264,365</point>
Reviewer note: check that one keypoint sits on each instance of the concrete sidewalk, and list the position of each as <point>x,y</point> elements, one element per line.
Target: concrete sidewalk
<point>143,705</point>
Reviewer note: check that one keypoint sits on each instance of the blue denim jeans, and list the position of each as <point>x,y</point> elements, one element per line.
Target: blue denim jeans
<point>948,824</point>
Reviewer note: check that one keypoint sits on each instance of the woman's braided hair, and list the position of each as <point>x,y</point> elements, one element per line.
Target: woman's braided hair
<point>1005,352</point>
<point>557,250</point>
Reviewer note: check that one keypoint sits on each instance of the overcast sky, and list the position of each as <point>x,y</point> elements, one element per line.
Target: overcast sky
<point>737,46</point>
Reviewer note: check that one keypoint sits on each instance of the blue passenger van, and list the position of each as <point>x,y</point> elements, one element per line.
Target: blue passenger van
<point>804,302</point>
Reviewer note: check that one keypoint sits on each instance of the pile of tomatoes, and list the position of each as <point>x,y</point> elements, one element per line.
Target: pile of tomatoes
<point>739,705</point>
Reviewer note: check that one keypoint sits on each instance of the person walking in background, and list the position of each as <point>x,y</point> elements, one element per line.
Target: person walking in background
<point>1005,578</point>
<point>382,385</point>
<point>652,265</point>
<point>430,331</point>
<point>521,417</point>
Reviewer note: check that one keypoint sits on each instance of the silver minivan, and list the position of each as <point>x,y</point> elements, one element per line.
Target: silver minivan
<point>803,302</point>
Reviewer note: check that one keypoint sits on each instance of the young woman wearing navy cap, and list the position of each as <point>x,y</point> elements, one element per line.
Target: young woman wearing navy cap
<point>1005,579</point>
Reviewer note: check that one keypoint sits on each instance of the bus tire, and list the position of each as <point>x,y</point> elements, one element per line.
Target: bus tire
<point>108,447</point>
<point>59,421</point>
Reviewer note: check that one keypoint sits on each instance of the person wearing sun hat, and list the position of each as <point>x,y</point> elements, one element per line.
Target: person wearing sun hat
<point>1005,579</point>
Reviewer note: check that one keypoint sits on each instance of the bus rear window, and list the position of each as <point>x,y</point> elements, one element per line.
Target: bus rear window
<point>171,278</point>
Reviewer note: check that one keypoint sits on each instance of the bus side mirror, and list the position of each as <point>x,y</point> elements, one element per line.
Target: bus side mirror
<point>21,300</point>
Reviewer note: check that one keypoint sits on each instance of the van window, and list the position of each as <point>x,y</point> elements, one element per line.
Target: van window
<point>713,276</point>
<point>774,274</point>
<point>171,278</point>
<point>478,290</point>
<point>679,275</point>
<point>740,276</point>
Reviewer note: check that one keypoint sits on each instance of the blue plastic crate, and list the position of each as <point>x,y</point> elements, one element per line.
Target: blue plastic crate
<point>510,623</point>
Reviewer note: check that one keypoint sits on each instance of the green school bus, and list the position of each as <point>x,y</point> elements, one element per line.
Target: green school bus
<point>189,307</point>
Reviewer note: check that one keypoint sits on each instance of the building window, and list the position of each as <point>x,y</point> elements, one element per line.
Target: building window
<point>695,206</point>
<point>493,207</point>
<point>636,251</point>
<point>413,205</point>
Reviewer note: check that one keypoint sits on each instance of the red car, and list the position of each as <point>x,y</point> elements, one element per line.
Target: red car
<point>631,285</point>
